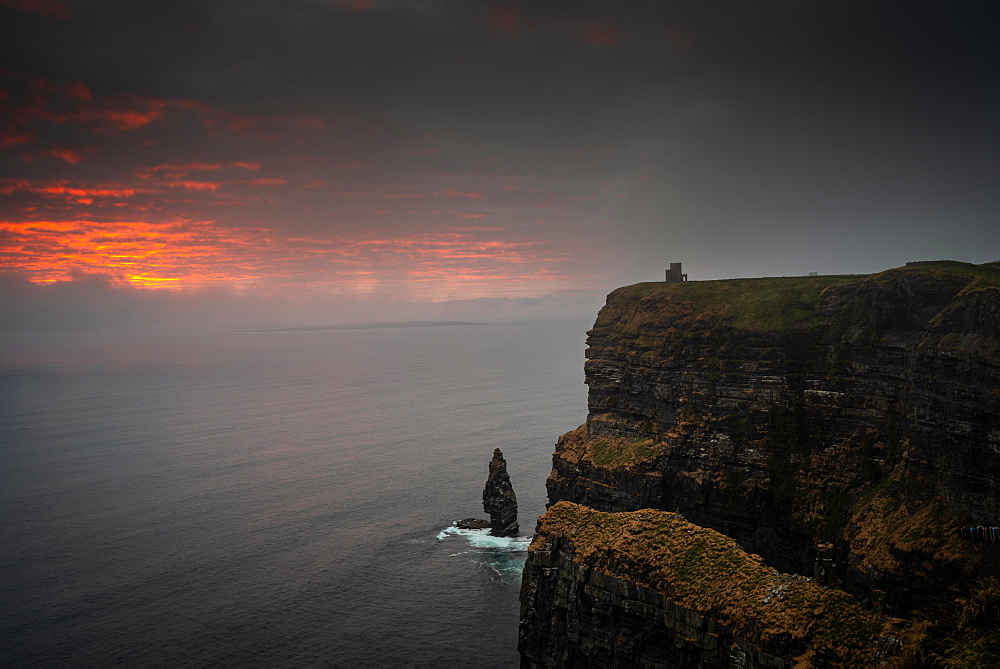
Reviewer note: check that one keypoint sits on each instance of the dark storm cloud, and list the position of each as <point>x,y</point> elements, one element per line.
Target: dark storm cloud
<point>745,138</point>
<point>472,58</point>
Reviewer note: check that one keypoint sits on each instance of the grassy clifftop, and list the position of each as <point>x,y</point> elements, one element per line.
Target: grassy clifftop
<point>772,304</point>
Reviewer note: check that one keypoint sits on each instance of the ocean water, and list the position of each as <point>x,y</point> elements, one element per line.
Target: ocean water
<point>272,498</point>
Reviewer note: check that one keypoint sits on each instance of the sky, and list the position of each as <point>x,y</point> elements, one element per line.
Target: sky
<point>336,160</point>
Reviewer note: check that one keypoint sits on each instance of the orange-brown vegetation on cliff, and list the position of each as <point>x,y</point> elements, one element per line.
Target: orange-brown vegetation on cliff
<point>572,446</point>
<point>707,573</point>
<point>613,453</point>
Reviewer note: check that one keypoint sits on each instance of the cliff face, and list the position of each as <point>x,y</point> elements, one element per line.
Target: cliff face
<point>838,427</point>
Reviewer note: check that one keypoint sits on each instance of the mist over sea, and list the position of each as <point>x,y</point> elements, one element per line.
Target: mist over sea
<point>279,498</point>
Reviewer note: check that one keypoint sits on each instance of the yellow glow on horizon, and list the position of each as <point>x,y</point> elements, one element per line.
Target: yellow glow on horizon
<point>454,263</point>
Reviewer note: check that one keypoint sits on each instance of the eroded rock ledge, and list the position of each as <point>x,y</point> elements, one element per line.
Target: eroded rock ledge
<point>647,588</point>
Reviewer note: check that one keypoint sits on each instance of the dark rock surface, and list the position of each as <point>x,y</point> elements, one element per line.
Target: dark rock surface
<point>499,499</point>
<point>839,427</point>
<point>649,589</point>
<point>473,524</point>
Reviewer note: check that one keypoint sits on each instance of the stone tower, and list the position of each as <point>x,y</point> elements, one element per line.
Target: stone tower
<point>675,274</point>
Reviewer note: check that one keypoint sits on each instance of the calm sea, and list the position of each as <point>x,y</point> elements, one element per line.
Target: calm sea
<point>278,498</point>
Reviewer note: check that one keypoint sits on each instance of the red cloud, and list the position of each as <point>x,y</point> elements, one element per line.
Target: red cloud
<point>12,136</point>
<point>178,170</point>
<point>77,90</point>
<point>29,115</point>
<point>71,155</point>
<point>41,104</point>
<point>195,185</point>
<point>67,196</point>
<point>8,186</point>
<point>120,114</point>
<point>62,188</point>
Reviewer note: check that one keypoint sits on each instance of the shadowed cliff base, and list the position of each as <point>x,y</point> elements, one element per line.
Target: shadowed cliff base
<point>841,427</point>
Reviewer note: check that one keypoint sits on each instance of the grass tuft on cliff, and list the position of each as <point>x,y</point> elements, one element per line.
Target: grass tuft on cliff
<point>613,453</point>
<point>620,452</point>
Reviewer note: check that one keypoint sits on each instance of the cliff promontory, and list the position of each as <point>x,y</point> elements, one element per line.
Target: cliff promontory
<point>822,436</point>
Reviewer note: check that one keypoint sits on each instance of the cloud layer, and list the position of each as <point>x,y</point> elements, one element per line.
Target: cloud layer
<point>458,149</point>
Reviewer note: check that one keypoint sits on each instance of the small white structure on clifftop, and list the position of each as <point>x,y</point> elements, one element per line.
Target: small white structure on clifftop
<point>675,274</point>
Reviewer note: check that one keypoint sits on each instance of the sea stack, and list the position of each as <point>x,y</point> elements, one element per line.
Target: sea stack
<point>499,500</point>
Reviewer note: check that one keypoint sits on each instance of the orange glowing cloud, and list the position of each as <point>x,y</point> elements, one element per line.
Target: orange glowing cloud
<point>190,254</point>
<point>141,253</point>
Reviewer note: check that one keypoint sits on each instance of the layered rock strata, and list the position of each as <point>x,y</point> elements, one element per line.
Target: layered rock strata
<point>647,588</point>
<point>499,499</point>
<point>839,427</point>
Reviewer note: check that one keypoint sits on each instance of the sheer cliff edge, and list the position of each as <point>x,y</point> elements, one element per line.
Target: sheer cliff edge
<point>774,472</point>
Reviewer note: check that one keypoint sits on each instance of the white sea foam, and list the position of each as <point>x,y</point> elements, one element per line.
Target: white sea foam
<point>483,539</point>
